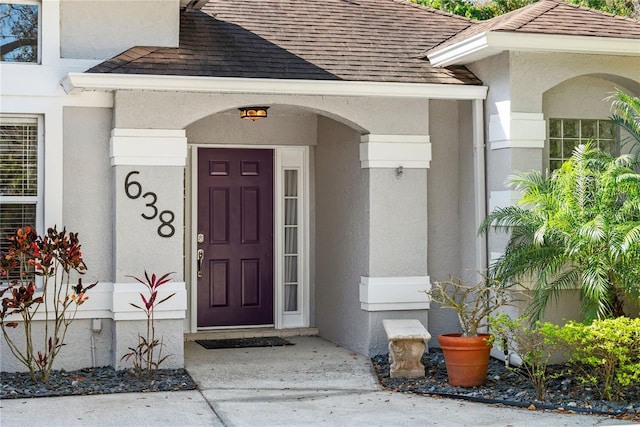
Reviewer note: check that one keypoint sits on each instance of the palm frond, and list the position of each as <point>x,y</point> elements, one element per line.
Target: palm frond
<point>550,291</point>
<point>597,292</point>
<point>626,114</point>
<point>631,238</point>
<point>594,230</point>
<point>527,181</point>
<point>502,219</point>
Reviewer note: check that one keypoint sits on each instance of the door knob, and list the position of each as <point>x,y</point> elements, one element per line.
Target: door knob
<point>200,261</point>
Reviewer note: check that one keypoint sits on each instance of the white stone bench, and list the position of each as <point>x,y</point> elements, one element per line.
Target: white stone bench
<point>406,346</point>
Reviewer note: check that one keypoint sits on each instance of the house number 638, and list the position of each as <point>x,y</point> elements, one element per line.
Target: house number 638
<point>133,190</point>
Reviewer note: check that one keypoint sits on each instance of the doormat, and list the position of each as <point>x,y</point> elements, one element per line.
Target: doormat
<point>244,343</point>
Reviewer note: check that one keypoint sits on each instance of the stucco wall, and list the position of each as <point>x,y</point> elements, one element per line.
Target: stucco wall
<point>342,233</point>
<point>467,191</point>
<point>583,97</point>
<point>558,86</point>
<point>87,187</point>
<point>494,73</point>
<point>398,223</point>
<point>580,98</point>
<point>165,110</point>
<point>298,129</point>
<point>138,246</point>
<point>532,74</point>
<point>168,331</point>
<point>100,29</point>
<point>397,240</point>
<point>76,354</point>
<point>451,205</point>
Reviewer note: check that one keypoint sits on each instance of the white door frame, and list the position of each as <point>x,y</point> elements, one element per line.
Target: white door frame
<point>285,158</point>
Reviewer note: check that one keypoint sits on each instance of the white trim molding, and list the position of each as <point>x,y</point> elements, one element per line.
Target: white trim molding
<point>509,129</point>
<point>285,158</point>
<point>489,43</point>
<point>77,82</point>
<point>148,147</point>
<point>113,301</point>
<point>392,151</point>
<point>292,158</point>
<point>394,293</point>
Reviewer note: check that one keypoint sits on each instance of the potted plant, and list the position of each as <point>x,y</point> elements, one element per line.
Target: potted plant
<point>466,353</point>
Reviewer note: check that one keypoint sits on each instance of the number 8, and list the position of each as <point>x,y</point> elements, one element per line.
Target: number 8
<point>166,223</point>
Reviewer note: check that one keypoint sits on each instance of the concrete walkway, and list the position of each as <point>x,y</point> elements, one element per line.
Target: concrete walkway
<point>313,382</point>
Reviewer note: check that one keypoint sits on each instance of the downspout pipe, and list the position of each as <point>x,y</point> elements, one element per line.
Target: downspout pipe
<point>480,193</point>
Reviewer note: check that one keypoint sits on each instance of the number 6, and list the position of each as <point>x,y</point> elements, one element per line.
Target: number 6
<point>128,184</point>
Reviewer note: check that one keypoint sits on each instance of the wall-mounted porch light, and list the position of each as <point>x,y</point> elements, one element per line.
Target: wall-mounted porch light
<point>253,113</point>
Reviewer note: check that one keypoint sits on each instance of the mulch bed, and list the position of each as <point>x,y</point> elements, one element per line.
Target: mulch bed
<point>89,381</point>
<point>509,387</point>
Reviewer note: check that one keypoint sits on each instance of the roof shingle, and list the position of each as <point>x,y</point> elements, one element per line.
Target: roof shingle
<point>354,40</point>
<point>554,17</point>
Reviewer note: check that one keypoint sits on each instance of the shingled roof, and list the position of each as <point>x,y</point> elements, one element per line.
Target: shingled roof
<point>557,18</point>
<point>352,40</point>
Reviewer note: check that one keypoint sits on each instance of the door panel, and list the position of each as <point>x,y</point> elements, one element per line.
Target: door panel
<point>219,216</point>
<point>235,215</point>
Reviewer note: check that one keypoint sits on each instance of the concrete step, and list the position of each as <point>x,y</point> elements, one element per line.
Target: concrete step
<point>225,334</point>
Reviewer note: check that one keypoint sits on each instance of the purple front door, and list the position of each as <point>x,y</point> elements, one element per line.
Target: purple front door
<point>235,237</point>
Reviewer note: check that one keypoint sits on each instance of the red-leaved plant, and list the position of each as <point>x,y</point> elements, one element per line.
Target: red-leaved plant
<point>54,257</point>
<point>144,358</point>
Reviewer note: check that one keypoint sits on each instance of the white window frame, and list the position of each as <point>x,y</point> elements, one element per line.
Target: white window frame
<point>581,140</point>
<point>38,199</point>
<point>292,158</point>
<point>285,158</point>
<point>38,60</point>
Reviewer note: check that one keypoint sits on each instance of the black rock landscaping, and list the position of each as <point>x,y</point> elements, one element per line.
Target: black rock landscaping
<point>509,387</point>
<point>89,381</point>
<point>504,386</point>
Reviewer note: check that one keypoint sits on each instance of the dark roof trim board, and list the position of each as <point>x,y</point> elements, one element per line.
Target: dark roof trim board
<point>545,26</point>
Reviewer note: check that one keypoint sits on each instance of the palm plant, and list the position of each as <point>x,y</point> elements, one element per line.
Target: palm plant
<point>578,228</point>
<point>626,114</point>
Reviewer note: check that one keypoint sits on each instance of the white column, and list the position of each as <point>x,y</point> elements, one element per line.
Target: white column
<point>148,178</point>
<point>398,222</point>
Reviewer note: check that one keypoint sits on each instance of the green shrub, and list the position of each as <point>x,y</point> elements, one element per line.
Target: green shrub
<point>530,343</point>
<point>604,353</point>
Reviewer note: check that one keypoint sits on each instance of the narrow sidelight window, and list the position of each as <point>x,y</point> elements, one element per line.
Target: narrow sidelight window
<point>291,231</point>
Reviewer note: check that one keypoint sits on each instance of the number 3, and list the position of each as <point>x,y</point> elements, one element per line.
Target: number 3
<point>133,190</point>
<point>151,204</point>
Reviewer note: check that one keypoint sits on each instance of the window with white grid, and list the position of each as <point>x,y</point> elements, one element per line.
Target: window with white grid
<point>19,173</point>
<point>567,134</point>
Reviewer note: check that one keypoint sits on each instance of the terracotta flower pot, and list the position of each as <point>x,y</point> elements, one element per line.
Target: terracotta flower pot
<point>467,358</point>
